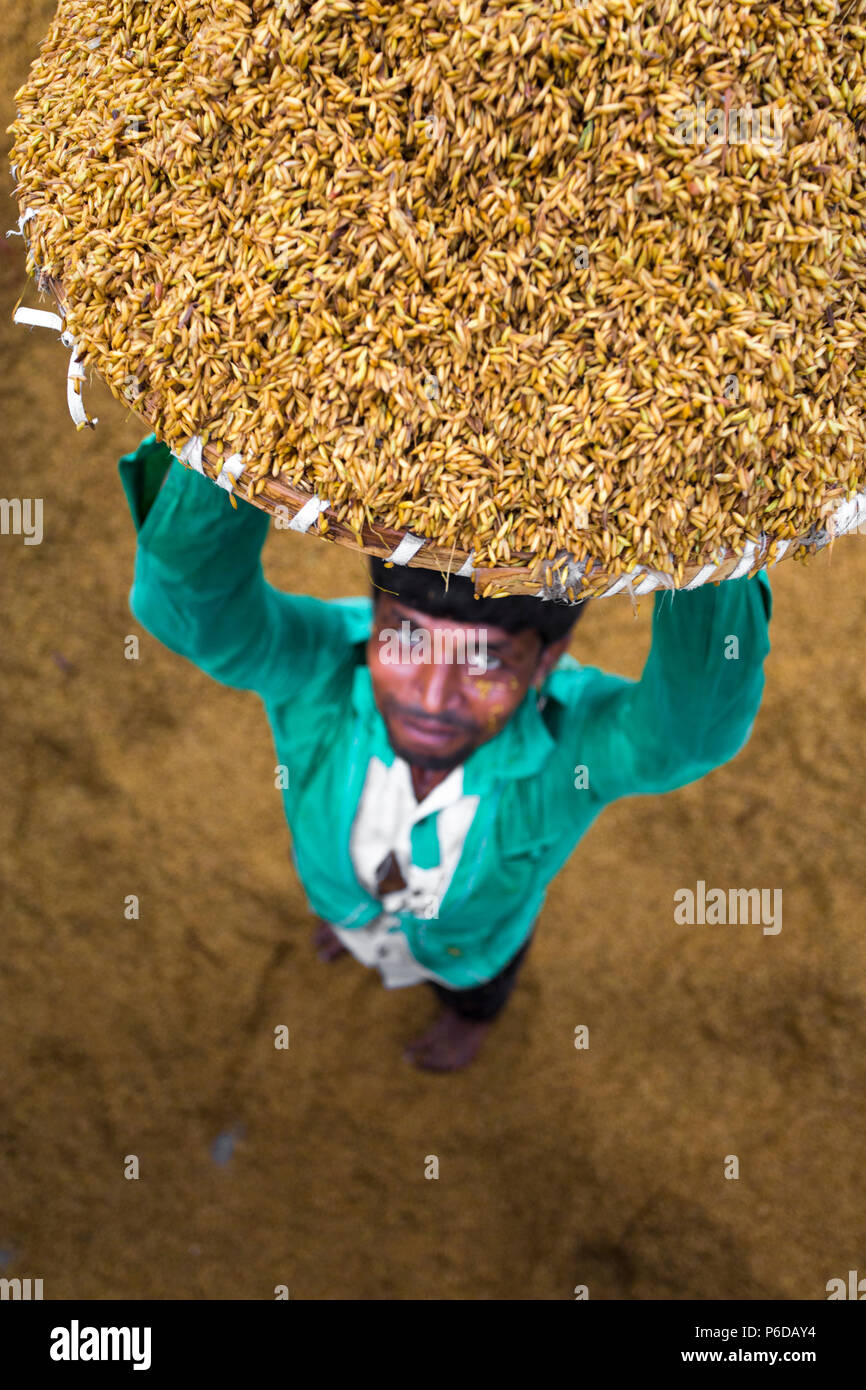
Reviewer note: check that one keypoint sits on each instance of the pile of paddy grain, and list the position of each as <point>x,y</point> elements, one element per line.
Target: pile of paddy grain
<point>456,268</point>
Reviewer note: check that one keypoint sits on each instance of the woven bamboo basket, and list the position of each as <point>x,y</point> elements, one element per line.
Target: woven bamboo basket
<point>579,579</point>
<point>569,572</point>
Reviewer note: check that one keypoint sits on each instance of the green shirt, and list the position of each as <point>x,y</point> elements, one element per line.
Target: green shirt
<point>200,589</point>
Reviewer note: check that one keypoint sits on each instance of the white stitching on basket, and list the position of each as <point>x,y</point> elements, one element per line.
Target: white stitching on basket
<point>408,547</point>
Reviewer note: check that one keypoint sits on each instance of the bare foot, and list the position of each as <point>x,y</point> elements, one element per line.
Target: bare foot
<point>451,1043</point>
<point>328,945</point>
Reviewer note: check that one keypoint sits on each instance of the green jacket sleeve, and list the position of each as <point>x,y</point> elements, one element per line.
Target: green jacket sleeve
<point>696,701</point>
<point>199,585</point>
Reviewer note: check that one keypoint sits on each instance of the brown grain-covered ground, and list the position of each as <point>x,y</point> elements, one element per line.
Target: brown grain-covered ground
<point>557,1167</point>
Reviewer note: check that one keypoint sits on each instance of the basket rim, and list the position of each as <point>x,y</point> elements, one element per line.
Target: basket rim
<point>566,577</point>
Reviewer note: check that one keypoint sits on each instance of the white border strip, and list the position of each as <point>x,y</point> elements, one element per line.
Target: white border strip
<point>309,513</point>
<point>23,220</point>
<point>74,376</point>
<point>781,547</point>
<point>624,580</point>
<point>849,515</point>
<point>39,318</point>
<point>408,547</point>
<point>230,472</point>
<point>647,585</point>
<point>701,577</point>
<point>743,566</point>
<point>44,318</point>
<point>191,453</point>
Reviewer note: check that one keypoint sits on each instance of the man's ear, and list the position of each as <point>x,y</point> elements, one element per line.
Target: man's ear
<point>548,659</point>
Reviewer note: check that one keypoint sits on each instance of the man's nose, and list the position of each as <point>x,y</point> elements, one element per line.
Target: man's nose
<point>436,685</point>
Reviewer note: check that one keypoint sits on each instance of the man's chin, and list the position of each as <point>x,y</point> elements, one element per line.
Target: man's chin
<point>430,762</point>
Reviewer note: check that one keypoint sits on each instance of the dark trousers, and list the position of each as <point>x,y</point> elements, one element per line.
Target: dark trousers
<point>483,1002</point>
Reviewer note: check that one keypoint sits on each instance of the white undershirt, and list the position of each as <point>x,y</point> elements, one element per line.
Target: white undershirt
<point>383,822</point>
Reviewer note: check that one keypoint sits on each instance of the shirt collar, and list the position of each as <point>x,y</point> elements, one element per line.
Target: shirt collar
<point>449,791</point>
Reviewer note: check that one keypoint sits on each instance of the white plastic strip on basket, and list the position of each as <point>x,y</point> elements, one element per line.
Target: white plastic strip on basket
<point>743,566</point>
<point>230,472</point>
<point>406,550</point>
<point>191,455</point>
<point>850,516</point>
<point>24,218</point>
<point>308,514</point>
<point>42,318</point>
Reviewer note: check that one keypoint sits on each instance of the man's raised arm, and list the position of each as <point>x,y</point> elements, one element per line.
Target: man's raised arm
<point>200,589</point>
<point>696,701</point>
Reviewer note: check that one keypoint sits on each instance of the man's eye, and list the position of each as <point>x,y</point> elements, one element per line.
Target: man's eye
<point>482,663</point>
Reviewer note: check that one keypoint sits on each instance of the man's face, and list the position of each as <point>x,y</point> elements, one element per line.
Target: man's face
<point>437,712</point>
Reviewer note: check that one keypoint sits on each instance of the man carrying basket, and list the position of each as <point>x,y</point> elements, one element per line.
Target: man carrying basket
<point>431,802</point>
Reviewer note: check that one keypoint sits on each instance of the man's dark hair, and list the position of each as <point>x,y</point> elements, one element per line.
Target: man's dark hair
<point>426,590</point>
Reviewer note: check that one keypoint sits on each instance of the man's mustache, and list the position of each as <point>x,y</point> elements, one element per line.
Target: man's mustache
<point>443,721</point>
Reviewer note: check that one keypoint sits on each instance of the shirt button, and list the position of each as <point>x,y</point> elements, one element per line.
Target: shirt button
<point>453,951</point>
